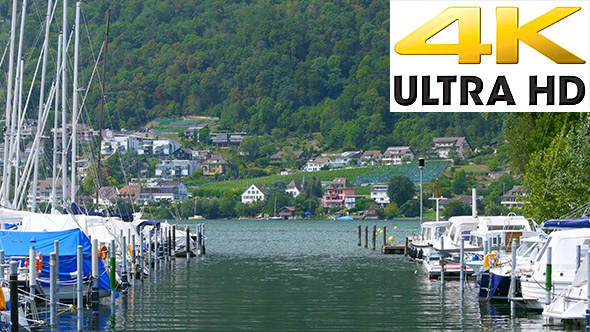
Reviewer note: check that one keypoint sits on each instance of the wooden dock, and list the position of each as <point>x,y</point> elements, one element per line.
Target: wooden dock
<point>394,249</point>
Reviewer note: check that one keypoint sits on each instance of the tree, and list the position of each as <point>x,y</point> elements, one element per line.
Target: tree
<point>392,211</point>
<point>410,208</point>
<point>364,203</point>
<point>460,183</point>
<point>401,189</point>
<point>204,136</point>
<point>456,208</point>
<point>312,187</point>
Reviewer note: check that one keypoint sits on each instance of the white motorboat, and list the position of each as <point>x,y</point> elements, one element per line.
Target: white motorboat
<point>452,236</point>
<point>420,245</point>
<point>571,303</point>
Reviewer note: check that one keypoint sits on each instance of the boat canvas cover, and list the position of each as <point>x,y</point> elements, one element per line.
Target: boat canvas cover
<point>15,243</point>
<point>582,222</point>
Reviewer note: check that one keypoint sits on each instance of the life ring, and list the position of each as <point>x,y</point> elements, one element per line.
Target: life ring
<point>489,259</point>
<point>39,262</point>
<point>102,252</point>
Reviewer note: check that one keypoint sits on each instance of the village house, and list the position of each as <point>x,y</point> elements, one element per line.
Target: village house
<point>44,189</point>
<point>183,154</point>
<point>225,140</point>
<point>347,158</point>
<point>337,192</point>
<point>287,212</point>
<point>215,165</point>
<point>394,155</point>
<point>256,192</point>
<point>371,158</point>
<point>294,188</point>
<point>176,168</point>
<point>444,145</point>
<point>379,193</point>
<point>190,132</point>
<point>317,164</point>
<point>515,197</point>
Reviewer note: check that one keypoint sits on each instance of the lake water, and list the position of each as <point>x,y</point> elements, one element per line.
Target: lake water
<point>302,275</point>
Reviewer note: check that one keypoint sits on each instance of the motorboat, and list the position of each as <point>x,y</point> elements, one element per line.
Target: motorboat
<point>571,303</point>
<point>420,245</point>
<point>452,265</point>
<point>196,217</point>
<point>452,237</point>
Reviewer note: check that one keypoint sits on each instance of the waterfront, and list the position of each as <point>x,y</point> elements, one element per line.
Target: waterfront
<point>301,275</point>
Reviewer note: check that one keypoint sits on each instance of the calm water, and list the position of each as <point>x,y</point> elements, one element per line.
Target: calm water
<point>301,276</point>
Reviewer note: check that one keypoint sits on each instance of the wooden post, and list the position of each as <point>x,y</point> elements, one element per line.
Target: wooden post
<point>406,247</point>
<point>384,235</point>
<point>374,237</point>
<point>366,236</point>
<point>359,235</point>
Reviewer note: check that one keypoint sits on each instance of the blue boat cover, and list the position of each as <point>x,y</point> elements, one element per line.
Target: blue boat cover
<point>80,210</point>
<point>582,222</point>
<point>16,243</point>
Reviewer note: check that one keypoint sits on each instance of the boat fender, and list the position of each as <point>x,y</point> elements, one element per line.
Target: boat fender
<point>2,300</point>
<point>130,251</point>
<point>420,254</point>
<point>39,262</point>
<point>102,252</point>
<point>489,259</point>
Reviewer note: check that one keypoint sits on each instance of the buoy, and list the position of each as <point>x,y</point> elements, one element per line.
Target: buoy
<point>391,239</point>
<point>102,252</point>
<point>380,231</point>
<point>395,227</point>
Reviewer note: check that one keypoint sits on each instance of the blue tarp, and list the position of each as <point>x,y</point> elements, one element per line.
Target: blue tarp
<point>16,243</point>
<point>582,222</point>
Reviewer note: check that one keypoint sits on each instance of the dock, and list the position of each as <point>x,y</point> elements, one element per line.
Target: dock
<point>394,249</point>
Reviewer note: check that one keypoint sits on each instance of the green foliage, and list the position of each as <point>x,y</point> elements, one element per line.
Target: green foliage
<point>460,183</point>
<point>410,208</point>
<point>401,189</point>
<point>363,203</point>
<point>456,208</point>
<point>392,211</point>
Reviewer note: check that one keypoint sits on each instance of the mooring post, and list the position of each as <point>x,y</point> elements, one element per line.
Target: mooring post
<point>442,260</point>
<point>141,258</point>
<point>80,292</point>
<point>204,237</point>
<point>113,264</point>
<point>173,240</point>
<point>169,243</point>
<point>578,256</point>
<point>513,274</point>
<point>14,296</point>
<point>366,236</point>
<point>406,247</point>
<point>150,246</point>
<point>199,239</point>
<point>95,276</point>
<point>133,269</point>
<point>548,281</point>
<point>188,244</point>
<point>156,249</point>
<point>462,264</point>
<point>360,232</point>
<point>52,283</point>
<point>32,269</point>
<point>373,238</point>
<point>384,235</point>
<point>124,280</point>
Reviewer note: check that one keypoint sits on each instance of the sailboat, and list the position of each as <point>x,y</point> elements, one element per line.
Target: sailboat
<point>275,217</point>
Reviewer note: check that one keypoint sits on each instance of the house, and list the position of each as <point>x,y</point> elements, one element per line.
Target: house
<point>45,187</point>
<point>347,158</point>
<point>202,155</point>
<point>172,191</point>
<point>278,157</point>
<point>176,168</point>
<point>299,154</point>
<point>183,154</point>
<point>317,164</point>
<point>190,132</point>
<point>444,145</point>
<point>394,155</point>
<point>110,145</point>
<point>131,193</point>
<point>337,192</point>
<point>84,134</point>
<point>371,158</point>
<point>164,148</point>
<point>379,193</point>
<point>224,140</point>
<point>215,165</point>
<point>256,192</point>
<point>106,195</point>
<point>287,212</point>
<point>294,188</point>
<point>515,197</point>
<point>465,199</point>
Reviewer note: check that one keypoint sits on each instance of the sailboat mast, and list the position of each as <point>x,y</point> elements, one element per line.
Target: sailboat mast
<point>75,102</point>
<point>41,100</point>
<point>64,99</point>
<point>104,68</point>
<point>19,124</point>
<point>55,125</point>
<point>5,178</point>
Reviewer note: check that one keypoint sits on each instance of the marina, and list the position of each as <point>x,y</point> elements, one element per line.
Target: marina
<point>301,275</point>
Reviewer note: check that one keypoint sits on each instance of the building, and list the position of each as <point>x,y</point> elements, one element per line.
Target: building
<point>190,132</point>
<point>379,194</point>
<point>395,154</point>
<point>444,145</point>
<point>164,148</point>
<point>172,191</point>
<point>287,212</point>
<point>347,158</point>
<point>183,154</point>
<point>465,199</point>
<point>224,140</point>
<point>45,187</point>
<point>110,145</point>
<point>215,165</point>
<point>84,134</point>
<point>294,188</point>
<point>371,158</point>
<point>317,164</point>
<point>176,168</point>
<point>256,192</point>
<point>515,197</point>
<point>131,193</point>
<point>106,195</point>
<point>336,193</point>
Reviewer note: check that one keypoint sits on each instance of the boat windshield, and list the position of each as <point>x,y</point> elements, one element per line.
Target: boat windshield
<point>439,231</point>
<point>426,233</point>
<point>528,249</point>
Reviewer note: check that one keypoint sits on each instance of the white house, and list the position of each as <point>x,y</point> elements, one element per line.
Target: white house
<point>371,158</point>
<point>444,145</point>
<point>379,193</point>
<point>294,188</point>
<point>317,164</point>
<point>256,192</point>
<point>394,155</point>
<point>176,168</point>
<point>110,145</point>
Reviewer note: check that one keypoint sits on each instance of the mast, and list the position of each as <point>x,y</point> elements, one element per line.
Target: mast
<point>104,68</point>
<point>75,102</point>
<point>41,100</point>
<point>64,100</point>
<point>19,124</point>
<point>55,126</point>
<point>5,178</point>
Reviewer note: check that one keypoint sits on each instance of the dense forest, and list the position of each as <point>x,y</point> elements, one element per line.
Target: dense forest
<point>283,68</point>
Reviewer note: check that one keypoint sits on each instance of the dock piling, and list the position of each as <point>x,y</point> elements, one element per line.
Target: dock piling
<point>2,259</point>
<point>95,276</point>
<point>548,282</point>
<point>462,263</point>
<point>366,236</point>
<point>52,293</point>
<point>79,291</point>
<point>32,269</point>
<point>360,232</point>
<point>384,235</point>
<point>513,272</point>
<point>56,250</point>
<point>133,262</point>
<point>442,261</point>
<point>188,244</point>
<point>373,238</point>
<point>124,280</point>
<point>14,296</point>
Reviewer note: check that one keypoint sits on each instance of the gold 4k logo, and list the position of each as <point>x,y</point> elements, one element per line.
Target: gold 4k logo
<point>508,33</point>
